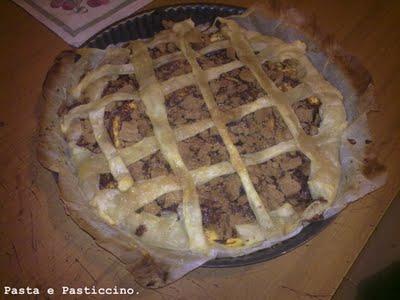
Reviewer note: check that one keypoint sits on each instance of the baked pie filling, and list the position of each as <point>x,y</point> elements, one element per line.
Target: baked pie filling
<point>209,134</point>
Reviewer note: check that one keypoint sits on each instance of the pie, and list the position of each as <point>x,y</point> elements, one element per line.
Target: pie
<point>196,143</point>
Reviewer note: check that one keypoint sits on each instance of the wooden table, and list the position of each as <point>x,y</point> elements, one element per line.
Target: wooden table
<point>41,247</point>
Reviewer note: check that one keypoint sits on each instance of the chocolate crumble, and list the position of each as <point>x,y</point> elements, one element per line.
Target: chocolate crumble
<point>307,110</point>
<point>224,204</point>
<point>130,120</point>
<point>235,88</point>
<point>200,42</point>
<point>258,131</point>
<point>203,149</point>
<point>151,166</point>
<point>124,83</point>
<point>216,58</point>
<point>283,179</point>
<point>87,139</point>
<point>173,69</point>
<point>284,74</point>
<point>186,106</point>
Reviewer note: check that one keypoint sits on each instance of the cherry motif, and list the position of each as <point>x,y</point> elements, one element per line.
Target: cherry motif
<point>68,4</point>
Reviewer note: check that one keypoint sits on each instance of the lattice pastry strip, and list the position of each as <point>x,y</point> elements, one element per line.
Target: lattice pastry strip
<point>183,29</point>
<point>147,191</point>
<point>117,166</point>
<point>321,149</point>
<point>321,177</point>
<point>110,69</point>
<point>148,146</point>
<point>168,86</point>
<point>97,103</point>
<point>153,98</point>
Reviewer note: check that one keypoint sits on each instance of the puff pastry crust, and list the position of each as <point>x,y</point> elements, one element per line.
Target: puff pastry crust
<point>85,77</point>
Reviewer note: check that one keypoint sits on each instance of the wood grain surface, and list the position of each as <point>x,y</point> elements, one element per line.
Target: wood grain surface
<point>41,247</point>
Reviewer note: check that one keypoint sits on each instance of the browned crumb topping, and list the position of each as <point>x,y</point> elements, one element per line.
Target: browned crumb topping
<point>140,230</point>
<point>216,58</point>
<point>202,42</point>
<point>149,167</point>
<point>307,110</point>
<point>173,69</point>
<point>259,130</point>
<point>124,83</point>
<point>166,203</point>
<point>283,178</point>
<point>284,74</point>
<point>131,121</point>
<point>162,49</point>
<point>239,86</point>
<point>203,149</point>
<point>235,88</point>
<point>107,181</point>
<point>87,139</point>
<point>224,204</point>
<point>186,106</point>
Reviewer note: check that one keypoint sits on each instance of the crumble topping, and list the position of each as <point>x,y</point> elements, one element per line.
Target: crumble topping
<point>87,139</point>
<point>224,204</point>
<point>283,178</point>
<point>284,74</point>
<point>235,88</point>
<point>217,58</point>
<point>173,69</point>
<point>186,106</point>
<point>124,83</point>
<point>127,122</point>
<point>151,166</point>
<point>203,149</point>
<point>307,110</point>
<point>201,42</point>
<point>239,86</point>
<point>259,130</point>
